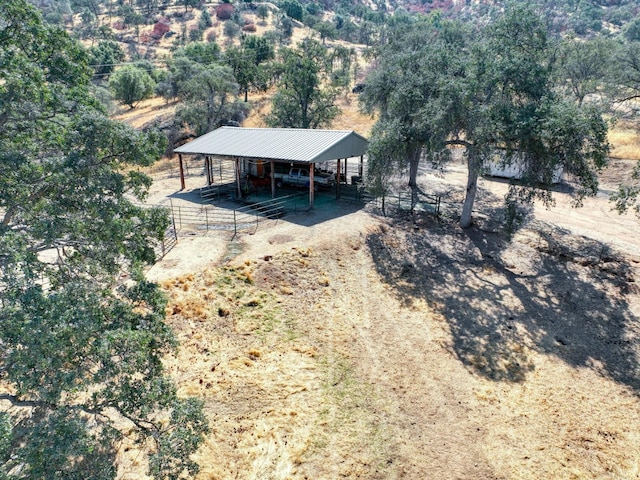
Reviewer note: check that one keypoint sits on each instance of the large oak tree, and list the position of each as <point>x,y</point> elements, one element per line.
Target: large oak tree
<point>305,96</point>
<point>81,331</point>
<point>487,90</point>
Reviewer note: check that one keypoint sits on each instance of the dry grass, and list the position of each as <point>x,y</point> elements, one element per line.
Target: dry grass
<point>147,111</point>
<point>280,400</point>
<point>625,140</point>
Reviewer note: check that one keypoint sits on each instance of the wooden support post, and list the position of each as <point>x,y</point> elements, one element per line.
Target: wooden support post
<point>360,167</point>
<point>238,177</point>
<point>273,179</point>
<point>207,167</point>
<point>339,170</point>
<point>312,168</point>
<point>181,172</point>
<point>346,180</point>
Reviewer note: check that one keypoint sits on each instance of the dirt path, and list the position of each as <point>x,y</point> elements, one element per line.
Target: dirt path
<point>426,396</point>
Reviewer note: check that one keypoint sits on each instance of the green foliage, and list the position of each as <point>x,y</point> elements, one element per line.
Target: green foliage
<point>632,30</point>
<point>78,454</point>
<point>326,30</point>
<point>246,70</point>
<point>304,99</point>
<point>628,194</point>
<point>489,91</point>
<point>292,9</point>
<point>131,85</point>
<point>231,29</point>
<point>342,64</point>
<point>195,35</point>
<point>130,16</point>
<point>105,55</point>
<point>261,47</point>
<point>185,63</point>
<point>205,19</point>
<point>209,100</point>
<point>204,53</point>
<point>583,66</point>
<point>81,348</point>
<point>286,27</point>
<point>245,62</point>
<point>262,12</point>
<point>624,75</point>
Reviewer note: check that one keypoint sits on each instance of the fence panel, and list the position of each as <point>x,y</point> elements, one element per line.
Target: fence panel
<point>246,218</point>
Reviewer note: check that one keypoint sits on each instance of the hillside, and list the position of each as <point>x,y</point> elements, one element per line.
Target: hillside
<point>352,342</point>
<point>343,344</point>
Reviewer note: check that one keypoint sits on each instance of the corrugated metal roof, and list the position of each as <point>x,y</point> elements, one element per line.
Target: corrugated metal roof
<point>287,144</point>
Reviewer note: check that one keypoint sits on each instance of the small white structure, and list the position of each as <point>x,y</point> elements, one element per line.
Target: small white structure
<point>499,167</point>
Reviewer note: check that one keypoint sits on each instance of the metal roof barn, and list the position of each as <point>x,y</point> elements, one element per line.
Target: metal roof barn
<point>286,144</point>
<point>295,145</point>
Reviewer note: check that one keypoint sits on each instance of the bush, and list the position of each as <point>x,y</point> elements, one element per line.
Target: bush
<point>131,84</point>
<point>159,29</point>
<point>212,36</point>
<point>205,19</point>
<point>249,27</point>
<point>195,34</point>
<point>224,11</point>
<point>231,29</point>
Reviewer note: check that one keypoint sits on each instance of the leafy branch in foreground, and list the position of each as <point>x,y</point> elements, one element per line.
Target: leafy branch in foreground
<point>82,333</point>
<point>628,194</point>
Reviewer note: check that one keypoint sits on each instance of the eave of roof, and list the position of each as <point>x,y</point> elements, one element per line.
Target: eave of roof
<point>286,144</point>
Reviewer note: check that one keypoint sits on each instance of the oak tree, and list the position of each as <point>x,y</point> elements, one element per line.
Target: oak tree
<point>489,91</point>
<point>82,333</point>
<point>305,96</point>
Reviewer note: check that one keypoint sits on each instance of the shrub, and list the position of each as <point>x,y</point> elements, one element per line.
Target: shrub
<point>224,11</point>
<point>195,34</point>
<point>159,29</point>
<point>249,27</point>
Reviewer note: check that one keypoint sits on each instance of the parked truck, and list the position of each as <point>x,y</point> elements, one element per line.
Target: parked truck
<point>299,177</point>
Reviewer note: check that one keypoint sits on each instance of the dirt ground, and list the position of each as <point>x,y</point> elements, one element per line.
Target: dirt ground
<point>345,344</point>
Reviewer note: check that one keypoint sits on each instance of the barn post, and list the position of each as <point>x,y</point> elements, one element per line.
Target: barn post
<point>237,160</point>
<point>273,178</point>
<point>181,172</point>
<point>345,171</point>
<point>207,167</point>
<point>339,169</point>
<point>312,168</point>
<point>360,167</point>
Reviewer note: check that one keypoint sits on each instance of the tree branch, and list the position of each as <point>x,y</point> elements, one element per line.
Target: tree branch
<point>17,402</point>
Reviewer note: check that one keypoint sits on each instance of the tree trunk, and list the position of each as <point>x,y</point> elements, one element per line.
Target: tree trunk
<point>472,188</point>
<point>414,161</point>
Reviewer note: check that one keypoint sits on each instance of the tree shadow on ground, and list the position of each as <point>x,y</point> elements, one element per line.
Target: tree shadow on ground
<point>546,291</point>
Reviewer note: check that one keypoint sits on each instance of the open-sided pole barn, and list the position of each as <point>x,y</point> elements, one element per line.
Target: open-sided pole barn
<point>291,146</point>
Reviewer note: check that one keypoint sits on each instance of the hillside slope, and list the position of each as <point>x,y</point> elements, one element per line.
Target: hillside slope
<point>341,344</point>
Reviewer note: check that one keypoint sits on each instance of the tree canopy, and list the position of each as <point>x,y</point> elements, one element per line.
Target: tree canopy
<point>489,91</point>
<point>209,99</point>
<point>82,333</point>
<point>131,85</point>
<point>305,96</point>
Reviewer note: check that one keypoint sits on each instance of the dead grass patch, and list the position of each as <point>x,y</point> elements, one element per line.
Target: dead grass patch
<point>625,141</point>
<point>268,386</point>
